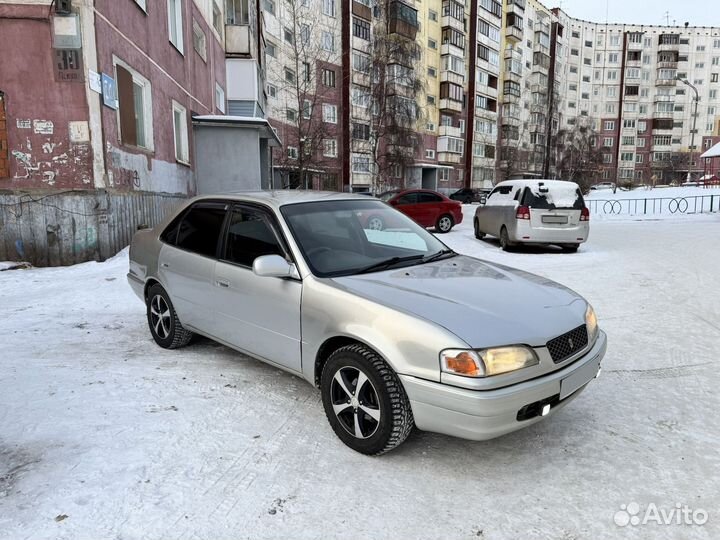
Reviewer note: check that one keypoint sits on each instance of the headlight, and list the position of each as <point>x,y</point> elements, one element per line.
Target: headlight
<point>486,362</point>
<point>591,323</point>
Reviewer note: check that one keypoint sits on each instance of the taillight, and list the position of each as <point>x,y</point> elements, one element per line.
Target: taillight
<point>523,212</point>
<point>585,214</point>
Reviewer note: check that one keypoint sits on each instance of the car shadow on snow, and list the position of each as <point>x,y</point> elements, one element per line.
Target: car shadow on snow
<point>525,248</point>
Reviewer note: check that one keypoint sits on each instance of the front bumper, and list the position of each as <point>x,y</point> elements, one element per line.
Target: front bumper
<point>486,414</point>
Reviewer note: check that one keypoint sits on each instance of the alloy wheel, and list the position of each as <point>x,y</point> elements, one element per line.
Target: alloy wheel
<point>445,223</point>
<point>355,402</point>
<point>160,316</point>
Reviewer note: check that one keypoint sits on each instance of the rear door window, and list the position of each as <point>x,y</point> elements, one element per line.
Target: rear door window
<point>408,198</point>
<point>428,198</point>
<point>200,228</point>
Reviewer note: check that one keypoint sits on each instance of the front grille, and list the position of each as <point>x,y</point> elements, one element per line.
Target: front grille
<point>563,347</point>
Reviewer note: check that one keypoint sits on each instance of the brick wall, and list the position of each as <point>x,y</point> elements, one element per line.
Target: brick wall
<point>4,164</point>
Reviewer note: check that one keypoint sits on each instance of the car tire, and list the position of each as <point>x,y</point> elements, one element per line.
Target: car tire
<point>390,419</point>
<point>165,327</point>
<point>570,248</point>
<point>444,224</point>
<point>505,243</point>
<point>375,223</point>
<point>478,234</point>
<point>467,200</point>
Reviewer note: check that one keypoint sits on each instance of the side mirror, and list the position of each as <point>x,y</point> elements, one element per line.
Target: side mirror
<point>273,266</point>
<point>483,199</point>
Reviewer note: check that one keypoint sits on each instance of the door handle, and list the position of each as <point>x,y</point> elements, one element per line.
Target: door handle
<point>165,265</point>
<point>222,283</point>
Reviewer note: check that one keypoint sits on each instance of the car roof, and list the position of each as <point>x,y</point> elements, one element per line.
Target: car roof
<point>282,197</point>
<point>533,182</point>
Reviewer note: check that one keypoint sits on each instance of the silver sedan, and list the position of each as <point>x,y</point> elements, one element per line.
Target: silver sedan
<point>395,329</point>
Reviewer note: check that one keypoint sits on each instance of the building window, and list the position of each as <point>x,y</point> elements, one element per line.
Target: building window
<point>607,158</point>
<point>288,35</point>
<point>330,148</point>
<point>360,97</point>
<point>175,23</point>
<point>361,131</point>
<point>329,8</point>
<point>431,100</point>
<point>220,97</point>
<point>361,62</point>
<point>292,152</point>
<point>432,44</point>
<point>361,163</point>
<point>271,90</point>
<point>328,78</point>
<point>609,125</point>
<point>291,115</point>
<point>444,174</point>
<point>714,77</point>
<point>361,29</point>
<point>271,49</point>
<point>432,15</point>
<point>429,153</point>
<point>328,41</point>
<point>329,113</point>
<point>199,41</point>
<point>134,107</point>
<point>432,72</point>
<point>217,16</point>
<point>180,131</point>
<point>306,109</point>
<point>289,75</point>
<point>269,6</point>
<point>608,142</point>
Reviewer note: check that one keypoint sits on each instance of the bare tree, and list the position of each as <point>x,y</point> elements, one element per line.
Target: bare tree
<point>579,158</point>
<point>395,87</point>
<point>310,42</point>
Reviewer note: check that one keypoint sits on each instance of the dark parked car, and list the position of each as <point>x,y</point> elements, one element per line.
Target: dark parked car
<point>468,195</point>
<point>428,208</point>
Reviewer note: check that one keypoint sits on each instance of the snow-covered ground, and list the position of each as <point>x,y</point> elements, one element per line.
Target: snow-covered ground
<point>105,435</point>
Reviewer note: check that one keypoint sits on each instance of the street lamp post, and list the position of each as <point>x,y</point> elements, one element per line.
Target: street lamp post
<point>694,128</point>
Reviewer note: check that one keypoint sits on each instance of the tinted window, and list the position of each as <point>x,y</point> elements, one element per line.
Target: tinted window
<point>556,197</point>
<point>250,236</point>
<point>200,229</point>
<point>169,235</point>
<point>408,198</point>
<point>429,198</point>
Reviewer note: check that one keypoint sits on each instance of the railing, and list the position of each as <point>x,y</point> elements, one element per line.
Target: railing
<point>694,204</point>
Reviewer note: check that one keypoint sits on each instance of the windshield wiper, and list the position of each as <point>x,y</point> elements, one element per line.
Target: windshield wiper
<point>387,263</point>
<point>439,254</point>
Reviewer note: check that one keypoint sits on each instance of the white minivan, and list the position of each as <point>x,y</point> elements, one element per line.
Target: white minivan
<point>535,212</point>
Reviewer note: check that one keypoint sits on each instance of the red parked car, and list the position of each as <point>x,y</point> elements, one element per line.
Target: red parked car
<point>428,208</point>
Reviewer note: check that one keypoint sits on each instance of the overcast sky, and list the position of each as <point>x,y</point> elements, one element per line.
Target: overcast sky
<point>696,12</point>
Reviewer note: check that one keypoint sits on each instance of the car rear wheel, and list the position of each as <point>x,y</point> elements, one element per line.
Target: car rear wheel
<point>375,223</point>
<point>444,223</point>
<point>478,233</point>
<point>364,401</point>
<point>570,248</point>
<point>505,243</point>
<point>165,327</point>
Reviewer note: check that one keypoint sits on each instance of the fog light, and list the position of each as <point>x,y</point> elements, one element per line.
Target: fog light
<point>545,410</point>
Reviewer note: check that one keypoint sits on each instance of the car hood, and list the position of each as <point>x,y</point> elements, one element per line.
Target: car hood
<point>483,303</point>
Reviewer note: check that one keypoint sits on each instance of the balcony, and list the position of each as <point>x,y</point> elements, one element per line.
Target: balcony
<point>668,65</point>
<point>452,77</point>
<point>539,89</point>
<point>400,150</point>
<point>482,161</point>
<point>513,34</point>
<point>660,98</point>
<point>452,22</point>
<point>668,47</point>
<point>449,131</point>
<point>450,105</point>
<point>449,157</point>
<point>512,76</point>
<point>511,121</point>
<point>510,98</point>
<point>666,82</point>
<point>237,39</point>
<point>402,19</point>
<point>449,48</point>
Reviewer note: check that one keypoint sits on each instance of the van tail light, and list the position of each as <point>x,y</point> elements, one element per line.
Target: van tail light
<point>523,212</point>
<point>585,214</point>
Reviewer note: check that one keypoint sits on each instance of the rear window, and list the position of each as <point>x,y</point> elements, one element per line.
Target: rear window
<point>556,197</point>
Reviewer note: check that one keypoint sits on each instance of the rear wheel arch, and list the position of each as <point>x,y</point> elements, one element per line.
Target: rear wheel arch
<point>149,283</point>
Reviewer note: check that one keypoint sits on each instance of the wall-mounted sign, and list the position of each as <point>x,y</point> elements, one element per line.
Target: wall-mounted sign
<point>95,81</point>
<point>109,91</point>
<point>79,131</point>
<point>23,124</point>
<point>68,65</point>
<point>43,127</point>
<point>66,32</point>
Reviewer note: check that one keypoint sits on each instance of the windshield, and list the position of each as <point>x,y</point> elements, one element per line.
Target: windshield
<point>555,197</point>
<point>340,238</point>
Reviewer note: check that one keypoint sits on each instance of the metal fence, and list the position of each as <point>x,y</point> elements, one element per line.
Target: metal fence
<point>694,204</point>
<point>70,227</point>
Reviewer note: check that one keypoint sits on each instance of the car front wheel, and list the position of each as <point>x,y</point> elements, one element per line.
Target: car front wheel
<point>165,327</point>
<point>478,233</point>
<point>364,401</point>
<point>444,223</point>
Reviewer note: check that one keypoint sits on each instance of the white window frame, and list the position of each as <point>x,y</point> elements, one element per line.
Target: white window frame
<point>219,97</point>
<point>292,152</point>
<point>329,113</point>
<point>181,154</point>
<point>330,148</point>
<point>199,40</point>
<point>429,153</point>
<point>147,104</point>
<point>178,42</point>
